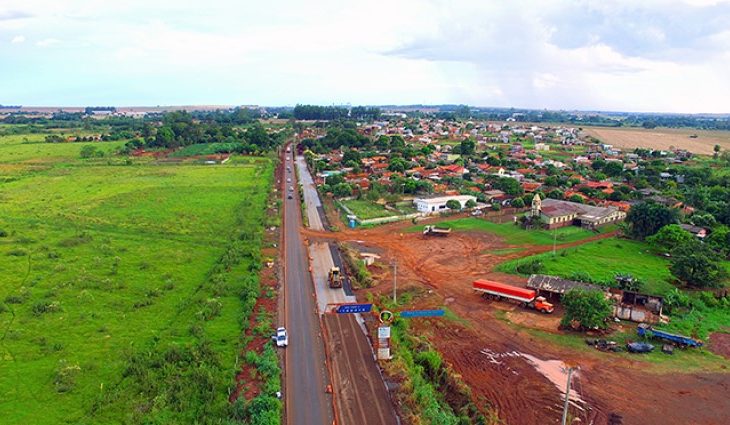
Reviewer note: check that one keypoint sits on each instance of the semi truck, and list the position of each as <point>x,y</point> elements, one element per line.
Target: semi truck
<point>500,291</point>
<point>334,277</point>
<point>436,231</point>
<point>683,341</point>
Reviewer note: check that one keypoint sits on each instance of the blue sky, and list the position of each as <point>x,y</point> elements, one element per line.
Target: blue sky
<point>648,55</point>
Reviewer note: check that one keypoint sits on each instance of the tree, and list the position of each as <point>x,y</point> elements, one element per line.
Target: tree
<point>518,203</point>
<point>716,149</point>
<point>468,147</point>
<point>586,308</point>
<point>351,155</point>
<point>342,190</point>
<point>647,218</point>
<point>453,204</point>
<point>670,237</point>
<point>719,240</point>
<point>397,165</point>
<point>90,151</point>
<point>555,194</point>
<point>697,265</point>
<point>576,198</point>
<point>613,168</point>
<point>508,185</point>
<point>471,203</point>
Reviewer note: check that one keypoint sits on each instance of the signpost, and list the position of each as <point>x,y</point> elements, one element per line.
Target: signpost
<point>421,313</point>
<point>354,308</point>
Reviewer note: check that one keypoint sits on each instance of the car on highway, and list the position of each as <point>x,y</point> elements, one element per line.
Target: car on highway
<point>282,339</point>
<point>288,179</point>
<point>291,188</point>
<point>290,197</point>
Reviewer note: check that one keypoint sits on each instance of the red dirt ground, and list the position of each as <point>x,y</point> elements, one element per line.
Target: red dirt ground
<point>720,344</point>
<point>521,395</point>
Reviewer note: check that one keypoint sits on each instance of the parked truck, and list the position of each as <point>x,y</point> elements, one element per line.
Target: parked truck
<point>499,291</point>
<point>334,277</point>
<point>683,341</point>
<point>436,231</point>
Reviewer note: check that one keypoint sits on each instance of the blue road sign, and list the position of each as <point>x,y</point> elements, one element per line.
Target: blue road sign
<point>354,308</point>
<point>422,313</point>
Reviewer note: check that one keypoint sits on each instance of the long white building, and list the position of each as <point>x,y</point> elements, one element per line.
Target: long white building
<point>436,204</point>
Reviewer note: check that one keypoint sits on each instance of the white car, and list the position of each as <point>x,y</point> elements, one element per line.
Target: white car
<point>288,180</point>
<point>282,339</point>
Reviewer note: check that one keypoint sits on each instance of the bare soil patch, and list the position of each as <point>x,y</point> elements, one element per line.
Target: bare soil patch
<point>664,138</point>
<point>720,344</point>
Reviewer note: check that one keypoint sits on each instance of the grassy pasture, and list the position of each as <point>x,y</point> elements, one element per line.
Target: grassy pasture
<point>602,259</point>
<point>515,235</point>
<point>109,269</point>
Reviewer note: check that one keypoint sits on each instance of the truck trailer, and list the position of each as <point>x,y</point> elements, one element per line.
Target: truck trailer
<point>683,341</point>
<point>499,291</point>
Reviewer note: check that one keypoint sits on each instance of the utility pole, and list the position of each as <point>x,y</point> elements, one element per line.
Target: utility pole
<point>555,240</point>
<point>395,280</point>
<point>567,397</point>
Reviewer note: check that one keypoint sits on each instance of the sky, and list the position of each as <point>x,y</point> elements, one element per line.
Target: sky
<point>613,55</point>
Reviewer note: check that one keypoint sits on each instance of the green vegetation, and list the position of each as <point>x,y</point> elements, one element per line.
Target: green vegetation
<point>515,235</point>
<point>586,309</point>
<point>124,287</point>
<point>602,260</point>
<point>366,210</point>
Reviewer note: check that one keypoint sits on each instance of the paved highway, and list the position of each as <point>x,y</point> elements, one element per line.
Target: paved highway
<point>305,370</point>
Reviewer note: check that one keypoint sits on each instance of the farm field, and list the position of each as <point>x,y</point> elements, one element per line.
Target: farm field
<point>662,138</point>
<point>111,272</point>
<point>515,235</point>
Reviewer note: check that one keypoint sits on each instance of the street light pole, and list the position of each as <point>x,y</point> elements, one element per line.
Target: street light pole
<point>395,280</point>
<point>567,397</point>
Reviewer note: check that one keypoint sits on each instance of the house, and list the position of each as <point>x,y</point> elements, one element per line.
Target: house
<point>698,231</point>
<point>438,203</point>
<point>557,213</point>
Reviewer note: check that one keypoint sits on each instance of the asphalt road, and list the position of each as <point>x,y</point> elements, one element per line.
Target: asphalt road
<point>305,370</point>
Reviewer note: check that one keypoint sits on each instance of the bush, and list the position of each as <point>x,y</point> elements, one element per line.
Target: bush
<point>533,266</point>
<point>3,233</point>
<point>17,253</point>
<point>42,307</point>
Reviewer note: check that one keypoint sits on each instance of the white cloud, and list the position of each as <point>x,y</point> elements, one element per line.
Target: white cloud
<point>17,39</point>
<point>46,42</point>
<point>663,55</point>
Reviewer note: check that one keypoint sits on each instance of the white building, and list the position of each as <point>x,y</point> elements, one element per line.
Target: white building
<point>436,204</point>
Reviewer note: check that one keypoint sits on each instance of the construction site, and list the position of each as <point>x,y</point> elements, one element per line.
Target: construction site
<point>495,346</point>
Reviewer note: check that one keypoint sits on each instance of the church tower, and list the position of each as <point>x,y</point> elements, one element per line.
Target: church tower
<point>536,206</point>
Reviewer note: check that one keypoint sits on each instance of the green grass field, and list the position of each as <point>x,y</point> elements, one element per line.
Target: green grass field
<point>602,259</point>
<point>366,210</point>
<point>515,235</point>
<point>123,285</point>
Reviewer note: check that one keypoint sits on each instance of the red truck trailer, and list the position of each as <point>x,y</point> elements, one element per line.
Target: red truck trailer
<point>528,297</point>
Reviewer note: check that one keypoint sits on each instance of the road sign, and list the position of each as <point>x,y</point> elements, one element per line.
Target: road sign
<point>354,308</point>
<point>422,313</point>
<point>384,332</point>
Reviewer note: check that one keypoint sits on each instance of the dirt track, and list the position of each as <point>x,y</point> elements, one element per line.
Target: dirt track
<point>520,393</point>
<point>352,366</point>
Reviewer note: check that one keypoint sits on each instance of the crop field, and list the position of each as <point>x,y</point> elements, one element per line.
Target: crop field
<point>123,285</point>
<point>662,138</point>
